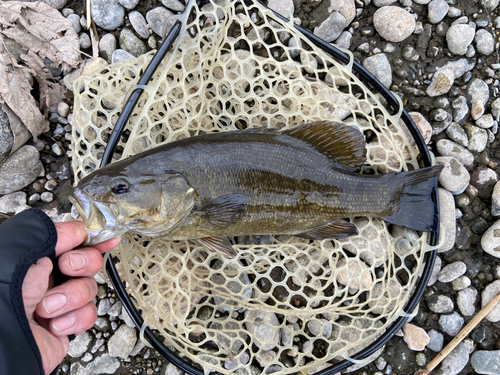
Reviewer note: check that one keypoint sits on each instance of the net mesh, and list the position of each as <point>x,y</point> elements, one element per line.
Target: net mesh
<point>284,304</point>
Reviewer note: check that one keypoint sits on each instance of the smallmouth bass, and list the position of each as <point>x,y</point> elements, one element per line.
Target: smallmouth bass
<point>300,182</point>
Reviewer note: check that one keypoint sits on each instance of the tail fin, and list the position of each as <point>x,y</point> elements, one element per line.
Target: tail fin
<point>416,208</point>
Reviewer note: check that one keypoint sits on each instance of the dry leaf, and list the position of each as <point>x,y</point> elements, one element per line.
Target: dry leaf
<point>33,38</point>
<point>19,131</point>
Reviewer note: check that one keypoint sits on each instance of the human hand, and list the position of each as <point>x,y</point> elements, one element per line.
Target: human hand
<point>54,312</point>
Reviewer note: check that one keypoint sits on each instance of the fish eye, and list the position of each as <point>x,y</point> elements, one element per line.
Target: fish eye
<point>120,187</point>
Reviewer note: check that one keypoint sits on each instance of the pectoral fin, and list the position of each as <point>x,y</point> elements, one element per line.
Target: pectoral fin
<point>224,212</point>
<point>218,244</point>
<point>334,229</point>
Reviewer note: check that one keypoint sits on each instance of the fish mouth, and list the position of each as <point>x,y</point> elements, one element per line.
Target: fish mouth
<point>100,222</point>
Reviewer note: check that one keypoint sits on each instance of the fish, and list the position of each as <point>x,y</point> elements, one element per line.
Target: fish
<point>303,182</point>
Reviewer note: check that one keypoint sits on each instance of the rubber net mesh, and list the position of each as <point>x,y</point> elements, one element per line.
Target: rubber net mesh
<point>283,304</point>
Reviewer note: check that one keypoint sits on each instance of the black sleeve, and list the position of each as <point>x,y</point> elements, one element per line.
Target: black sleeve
<point>24,239</point>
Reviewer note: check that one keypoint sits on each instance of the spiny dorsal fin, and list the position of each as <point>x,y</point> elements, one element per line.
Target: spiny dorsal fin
<point>343,144</point>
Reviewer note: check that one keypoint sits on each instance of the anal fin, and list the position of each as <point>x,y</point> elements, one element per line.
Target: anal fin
<point>218,244</point>
<point>334,229</point>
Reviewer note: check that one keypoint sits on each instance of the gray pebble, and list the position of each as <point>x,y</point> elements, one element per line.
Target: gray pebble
<point>422,2</point>
<point>454,12</point>
<point>139,24</point>
<point>20,169</point>
<point>485,43</point>
<point>460,283</point>
<point>79,345</point>
<point>485,121</point>
<point>344,40</point>
<point>486,362</point>
<point>490,4</point>
<point>108,14</point>
<point>126,318</point>
<point>33,198</point>
<point>495,200</point>
<point>488,293</point>
<point>129,4</point>
<point>330,29</point>
<point>478,138</point>
<point>171,369</point>
<point>58,4</point>
<point>495,109</point>
<point>477,109</point>
<point>103,307</point>
<point>457,134</point>
<point>441,82</point>
<point>380,363</point>
<point>393,23</point>
<point>460,108</point>
<point>156,18</point>
<point>484,180</point>
<point>107,45</point>
<point>102,324</point>
<point>75,20</point>
<point>458,358</point>
<point>453,178</point>
<point>47,197</point>
<point>477,89</point>
<point>440,304</point>
<point>62,109</point>
<point>452,271</point>
<point>122,342</point>
<point>380,67</point>
<point>6,136</point>
<point>437,10</point>
<point>383,3</point>
<point>409,53</point>
<point>85,41</point>
<point>87,357</point>
<point>104,364</point>
<point>461,21</point>
<point>435,271</point>
<point>120,55</point>
<point>50,185</point>
<point>177,6</point>
<point>115,309</point>
<point>490,241</point>
<point>56,149</point>
<point>461,66</point>
<point>447,219</point>
<point>420,359</point>
<point>458,38</point>
<point>446,147</point>
<point>451,324</point>
<point>264,327</point>
<point>67,11</point>
<point>465,300</point>
<point>10,203</point>
<point>436,340</point>
<point>131,43</point>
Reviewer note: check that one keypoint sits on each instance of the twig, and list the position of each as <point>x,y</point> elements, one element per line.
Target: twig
<point>461,335</point>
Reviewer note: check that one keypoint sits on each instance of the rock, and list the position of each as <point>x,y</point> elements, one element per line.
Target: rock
<point>171,369</point>
<point>345,7</point>
<point>455,362</point>
<point>6,136</point>
<point>486,362</point>
<point>437,10</point>
<point>139,24</point>
<point>477,109</point>
<point>90,67</point>
<point>47,197</point>
<point>459,37</point>
<point>58,4</point>
<point>122,342</point>
<point>108,14</point>
<point>447,219</point>
<point>129,4</point>
<point>104,364</point>
<point>487,295</point>
<point>477,89</point>
<point>347,270</point>
<point>126,318</point>
<point>451,324</point>
<point>441,81</point>
<point>460,67</point>
<point>380,67</point>
<point>423,126</point>
<point>440,304</point>
<point>436,341</point>
<point>107,45</point>
<point>495,109</point>
<point>465,300</point>
<point>485,121</point>
<point>415,337</point>
<point>103,307</point>
<point>62,109</point>
<point>393,23</point>
<point>120,55</point>
<point>495,200</point>
<point>484,180</point>
<point>75,20</point>
<point>85,41</point>
<point>115,309</point>
<point>20,169</point>
<point>452,271</point>
<point>460,283</point>
<point>330,29</point>
<point>454,177</point>
<point>284,7</point>
<point>10,203</point>
<point>478,138</point>
<point>435,271</point>
<point>446,147</point>
<point>264,328</point>
<point>79,345</point>
<point>460,108</point>
<point>485,43</point>
<point>156,18</point>
<point>131,43</point>
<point>457,134</point>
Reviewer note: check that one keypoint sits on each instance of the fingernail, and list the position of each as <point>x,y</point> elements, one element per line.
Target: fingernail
<point>77,261</point>
<point>54,302</point>
<point>64,322</point>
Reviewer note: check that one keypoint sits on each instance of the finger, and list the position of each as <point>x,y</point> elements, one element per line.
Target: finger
<point>67,297</point>
<point>69,235</point>
<point>36,284</point>
<point>86,261</point>
<point>74,322</point>
<point>108,244</point>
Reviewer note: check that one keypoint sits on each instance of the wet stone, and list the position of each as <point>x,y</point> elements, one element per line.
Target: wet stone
<point>459,37</point>
<point>460,108</point>
<point>108,14</point>
<point>451,324</point>
<point>455,362</point>
<point>436,341</point>
<point>454,177</point>
<point>465,300</point>
<point>486,362</point>
<point>330,29</point>
<point>452,271</point>
<point>457,134</point>
<point>139,24</point>
<point>437,10</point>
<point>380,67</point>
<point>415,337</point>
<point>485,43</point>
<point>441,82</point>
<point>393,23</point>
<point>440,304</point>
<point>446,147</point>
<point>486,296</point>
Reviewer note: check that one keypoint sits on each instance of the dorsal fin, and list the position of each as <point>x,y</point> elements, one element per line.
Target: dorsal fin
<point>343,144</point>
